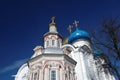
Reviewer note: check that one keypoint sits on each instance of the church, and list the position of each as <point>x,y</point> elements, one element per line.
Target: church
<point>71,58</point>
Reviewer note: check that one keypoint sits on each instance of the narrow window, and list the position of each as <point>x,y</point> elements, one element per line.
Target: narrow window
<point>58,44</point>
<point>47,43</point>
<point>35,76</point>
<point>69,72</point>
<point>53,42</point>
<point>53,75</point>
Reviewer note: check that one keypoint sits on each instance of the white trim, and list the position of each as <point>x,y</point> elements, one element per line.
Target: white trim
<point>19,71</point>
<point>68,46</point>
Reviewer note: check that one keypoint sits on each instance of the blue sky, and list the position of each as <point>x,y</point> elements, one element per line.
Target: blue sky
<point>23,24</point>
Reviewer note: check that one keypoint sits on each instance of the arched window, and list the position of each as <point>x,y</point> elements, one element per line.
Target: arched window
<point>58,43</point>
<point>53,42</point>
<point>35,76</point>
<point>69,72</point>
<point>53,75</point>
<point>85,48</point>
<point>47,43</point>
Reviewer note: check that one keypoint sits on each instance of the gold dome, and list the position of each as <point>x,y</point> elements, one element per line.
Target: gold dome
<point>65,40</point>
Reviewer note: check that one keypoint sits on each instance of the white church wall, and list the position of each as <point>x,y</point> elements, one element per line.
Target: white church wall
<point>73,61</point>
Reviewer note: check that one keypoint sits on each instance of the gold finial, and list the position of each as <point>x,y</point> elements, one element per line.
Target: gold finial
<point>70,28</point>
<point>76,23</point>
<point>53,19</point>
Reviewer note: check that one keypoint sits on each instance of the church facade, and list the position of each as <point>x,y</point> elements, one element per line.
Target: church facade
<point>69,59</point>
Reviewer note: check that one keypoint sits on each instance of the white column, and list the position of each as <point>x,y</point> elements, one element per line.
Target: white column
<point>48,72</point>
<point>40,74</point>
<point>78,67</point>
<point>58,74</point>
<point>61,77</point>
<point>30,77</point>
<point>83,67</point>
<point>46,76</point>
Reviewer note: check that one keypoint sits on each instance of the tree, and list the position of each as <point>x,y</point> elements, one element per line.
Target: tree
<point>109,43</point>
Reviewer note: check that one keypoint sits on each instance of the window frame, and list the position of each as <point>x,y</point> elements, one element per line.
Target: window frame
<point>35,76</point>
<point>58,43</point>
<point>47,43</point>
<point>53,42</point>
<point>53,75</point>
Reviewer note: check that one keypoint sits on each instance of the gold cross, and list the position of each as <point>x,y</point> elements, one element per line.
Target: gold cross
<point>53,19</point>
<point>70,28</point>
<point>76,23</point>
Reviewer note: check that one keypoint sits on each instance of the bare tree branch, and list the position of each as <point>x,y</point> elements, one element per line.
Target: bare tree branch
<point>110,41</point>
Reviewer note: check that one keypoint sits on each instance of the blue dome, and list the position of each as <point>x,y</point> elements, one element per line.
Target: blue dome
<point>78,34</point>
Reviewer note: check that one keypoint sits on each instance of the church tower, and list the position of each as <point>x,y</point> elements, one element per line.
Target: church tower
<point>48,62</point>
<point>82,54</point>
<point>52,38</point>
<point>80,49</point>
<point>72,61</point>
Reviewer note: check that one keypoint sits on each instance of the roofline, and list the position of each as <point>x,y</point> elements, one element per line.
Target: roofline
<point>52,55</point>
<point>87,39</point>
<point>48,33</point>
